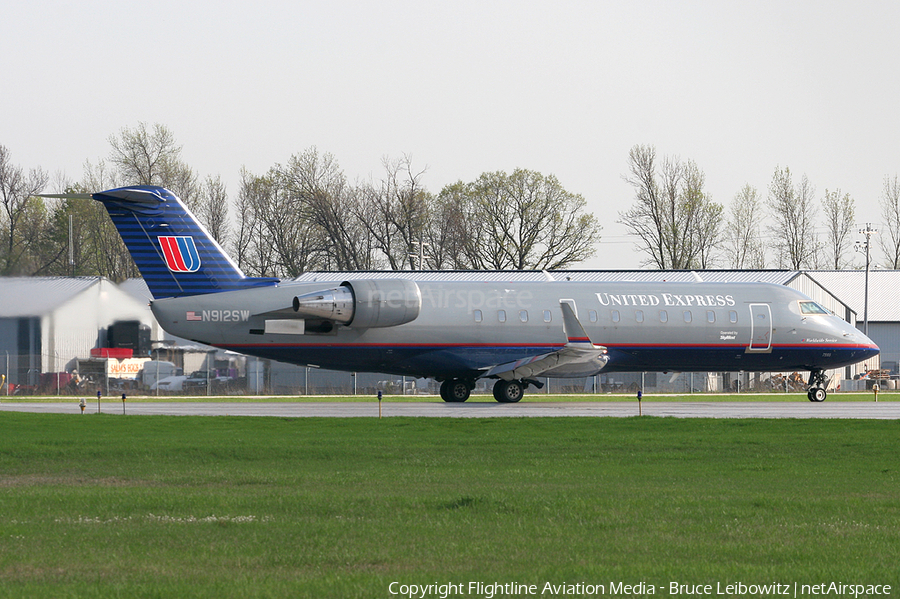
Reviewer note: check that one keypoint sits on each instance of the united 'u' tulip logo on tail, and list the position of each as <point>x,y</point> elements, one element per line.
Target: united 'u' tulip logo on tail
<point>180,253</point>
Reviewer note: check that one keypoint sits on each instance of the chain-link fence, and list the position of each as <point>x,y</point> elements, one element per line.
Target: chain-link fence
<point>46,375</point>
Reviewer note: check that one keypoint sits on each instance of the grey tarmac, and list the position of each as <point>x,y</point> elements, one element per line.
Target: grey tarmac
<point>886,410</point>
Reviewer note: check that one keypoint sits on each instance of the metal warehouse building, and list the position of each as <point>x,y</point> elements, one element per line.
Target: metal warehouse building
<point>46,324</point>
<point>883,305</point>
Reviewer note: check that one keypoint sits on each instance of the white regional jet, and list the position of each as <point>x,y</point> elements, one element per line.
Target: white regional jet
<point>459,332</point>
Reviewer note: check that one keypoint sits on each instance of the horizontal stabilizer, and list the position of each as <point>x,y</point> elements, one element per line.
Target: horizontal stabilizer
<point>66,196</point>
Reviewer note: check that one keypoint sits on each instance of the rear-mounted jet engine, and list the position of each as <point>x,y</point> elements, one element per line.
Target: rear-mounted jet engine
<point>366,303</point>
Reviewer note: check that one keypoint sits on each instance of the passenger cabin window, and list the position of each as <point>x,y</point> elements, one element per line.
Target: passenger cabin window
<point>812,308</point>
<point>663,316</point>
<point>523,315</point>
<point>501,315</point>
<point>547,316</point>
<point>592,315</point>
<point>688,316</point>
<point>710,316</point>
<point>614,314</point>
<point>477,314</point>
<point>732,316</point>
<point>639,316</point>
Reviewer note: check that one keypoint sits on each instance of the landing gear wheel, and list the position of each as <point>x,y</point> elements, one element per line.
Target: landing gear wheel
<point>508,391</point>
<point>455,391</point>
<point>817,384</point>
<point>817,395</point>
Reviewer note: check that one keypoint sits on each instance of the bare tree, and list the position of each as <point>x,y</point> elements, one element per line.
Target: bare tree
<point>18,219</point>
<point>487,223</point>
<point>701,226</point>
<point>104,253</point>
<point>525,220</point>
<point>678,224</point>
<point>399,215</point>
<point>839,214</point>
<point>320,195</point>
<point>743,246</point>
<point>795,240</point>
<point>252,254</point>
<point>646,218</point>
<point>53,245</point>
<point>244,219</point>
<point>56,241</point>
<point>283,242</point>
<point>449,232</point>
<point>890,215</point>
<point>212,208</point>
<point>708,234</point>
<point>144,157</point>
<point>567,235</point>
<point>138,156</point>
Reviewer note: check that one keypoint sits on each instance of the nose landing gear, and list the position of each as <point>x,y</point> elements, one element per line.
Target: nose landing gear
<point>817,384</point>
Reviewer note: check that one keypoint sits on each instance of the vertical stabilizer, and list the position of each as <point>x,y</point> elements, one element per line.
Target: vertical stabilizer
<point>174,252</point>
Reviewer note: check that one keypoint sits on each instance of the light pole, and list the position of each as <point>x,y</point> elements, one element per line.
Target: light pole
<point>420,255</point>
<point>860,246</point>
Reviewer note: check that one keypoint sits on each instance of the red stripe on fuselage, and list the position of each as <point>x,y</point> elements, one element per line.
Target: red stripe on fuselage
<point>675,346</point>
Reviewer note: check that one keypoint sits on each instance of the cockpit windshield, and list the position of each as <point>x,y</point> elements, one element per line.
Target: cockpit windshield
<point>810,307</point>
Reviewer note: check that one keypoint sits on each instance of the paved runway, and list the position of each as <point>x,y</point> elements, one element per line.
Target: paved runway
<point>796,409</point>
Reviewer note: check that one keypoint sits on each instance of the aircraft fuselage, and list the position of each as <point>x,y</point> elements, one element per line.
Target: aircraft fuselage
<point>462,328</point>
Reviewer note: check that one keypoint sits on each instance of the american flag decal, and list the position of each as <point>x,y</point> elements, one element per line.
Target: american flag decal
<point>180,253</point>
<point>193,316</point>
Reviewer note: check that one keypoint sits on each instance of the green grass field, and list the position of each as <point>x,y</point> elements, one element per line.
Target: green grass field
<point>105,506</point>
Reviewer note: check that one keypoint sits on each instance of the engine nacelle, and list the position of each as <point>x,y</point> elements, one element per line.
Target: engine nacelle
<point>364,303</point>
<point>384,302</point>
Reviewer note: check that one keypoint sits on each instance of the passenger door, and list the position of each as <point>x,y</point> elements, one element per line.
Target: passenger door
<point>760,327</point>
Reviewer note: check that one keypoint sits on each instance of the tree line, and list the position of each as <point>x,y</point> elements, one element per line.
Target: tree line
<point>305,215</point>
<point>679,226</point>
<point>300,216</point>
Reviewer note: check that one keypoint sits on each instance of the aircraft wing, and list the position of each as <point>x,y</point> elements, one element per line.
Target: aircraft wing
<point>579,356</point>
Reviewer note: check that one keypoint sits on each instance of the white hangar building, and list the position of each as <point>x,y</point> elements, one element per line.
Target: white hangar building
<point>48,322</point>
<point>883,305</point>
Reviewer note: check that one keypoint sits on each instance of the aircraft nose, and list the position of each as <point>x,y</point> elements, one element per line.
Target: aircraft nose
<point>869,347</point>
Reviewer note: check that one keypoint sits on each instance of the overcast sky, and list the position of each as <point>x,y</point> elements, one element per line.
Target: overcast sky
<point>464,87</point>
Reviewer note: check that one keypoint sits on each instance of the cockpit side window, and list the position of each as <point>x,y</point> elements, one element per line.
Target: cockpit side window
<point>809,307</point>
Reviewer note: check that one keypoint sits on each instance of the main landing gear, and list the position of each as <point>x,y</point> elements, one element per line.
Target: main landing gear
<point>817,384</point>
<point>508,391</point>
<point>456,390</point>
<point>513,391</point>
